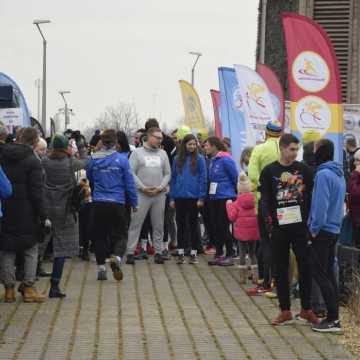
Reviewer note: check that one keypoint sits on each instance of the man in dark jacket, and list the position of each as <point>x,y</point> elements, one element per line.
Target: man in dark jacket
<point>327,211</point>
<point>23,215</point>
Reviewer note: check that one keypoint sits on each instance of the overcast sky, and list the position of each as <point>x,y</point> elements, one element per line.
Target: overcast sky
<point>133,51</point>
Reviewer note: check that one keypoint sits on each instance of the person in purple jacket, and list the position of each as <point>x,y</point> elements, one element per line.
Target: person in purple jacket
<point>223,177</point>
<point>187,194</point>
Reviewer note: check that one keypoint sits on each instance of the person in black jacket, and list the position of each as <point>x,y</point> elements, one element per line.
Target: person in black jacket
<point>24,216</point>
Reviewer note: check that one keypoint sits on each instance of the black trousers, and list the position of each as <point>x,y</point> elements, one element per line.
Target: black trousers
<point>322,254</point>
<point>187,214</point>
<point>206,214</point>
<point>109,230</point>
<point>281,239</point>
<point>221,227</point>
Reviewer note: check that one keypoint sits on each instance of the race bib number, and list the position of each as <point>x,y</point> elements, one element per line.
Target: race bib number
<point>153,161</point>
<point>213,187</point>
<point>289,215</point>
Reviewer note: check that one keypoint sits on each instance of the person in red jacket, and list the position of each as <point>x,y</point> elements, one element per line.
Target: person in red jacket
<point>354,203</point>
<point>242,213</point>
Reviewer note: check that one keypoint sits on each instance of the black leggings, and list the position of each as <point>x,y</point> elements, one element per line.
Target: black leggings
<point>109,221</point>
<point>187,214</point>
<point>221,227</point>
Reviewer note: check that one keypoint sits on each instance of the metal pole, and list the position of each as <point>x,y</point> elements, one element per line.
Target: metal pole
<point>43,117</point>
<point>263,31</point>
<point>193,70</point>
<point>66,116</point>
<point>38,86</point>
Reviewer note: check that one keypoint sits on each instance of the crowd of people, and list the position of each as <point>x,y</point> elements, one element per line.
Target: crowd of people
<point>279,211</point>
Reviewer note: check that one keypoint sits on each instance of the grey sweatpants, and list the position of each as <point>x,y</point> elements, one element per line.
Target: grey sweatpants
<point>156,206</point>
<point>7,266</point>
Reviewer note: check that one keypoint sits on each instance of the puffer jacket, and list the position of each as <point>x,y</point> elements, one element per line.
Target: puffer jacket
<point>243,214</point>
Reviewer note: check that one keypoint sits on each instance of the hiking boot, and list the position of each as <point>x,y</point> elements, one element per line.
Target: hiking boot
<point>102,275</point>
<point>166,255</point>
<point>142,255</point>
<point>327,326</point>
<point>85,255</point>
<point>193,260</point>
<point>215,260</point>
<point>243,274</point>
<point>181,260</point>
<point>9,294</point>
<point>115,264</point>
<point>55,291</point>
<point>226,261</point>
<point>31,295</point>
<point>284,318</point>
<point>158,259</point>
<point>130,259</point>
<point>308,317</point>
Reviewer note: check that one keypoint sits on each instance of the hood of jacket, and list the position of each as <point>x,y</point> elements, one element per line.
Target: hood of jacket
<point>222,154</point>
<point>246,201</point>
<point>16,152</point>
<point>333,166</point>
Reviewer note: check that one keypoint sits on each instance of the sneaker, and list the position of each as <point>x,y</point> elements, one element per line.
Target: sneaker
<point>284,318</point>
<point>102,275</point>
<point>142,255</point>
<point>307,317</point>
<point>271,295</point>
<point>210,250</point>
<point>193,260</point>
<point>130,259</point>
<point>166,255</point>
<point>327,326</point>
<point>115,264</point>
<point>181,260</point>
<point>158,259</point>
<point>258,290</point>
<point>226,261</point>
<point>215,261</point>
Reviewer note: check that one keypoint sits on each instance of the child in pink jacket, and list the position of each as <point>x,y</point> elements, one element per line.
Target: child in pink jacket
<point>242,213</point>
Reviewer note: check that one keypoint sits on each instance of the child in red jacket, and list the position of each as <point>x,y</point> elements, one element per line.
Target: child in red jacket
<point>242,213</point>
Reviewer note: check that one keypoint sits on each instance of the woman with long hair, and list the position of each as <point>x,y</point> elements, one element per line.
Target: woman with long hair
<point>60,184</point>
<point>187,194</point>
<point>223,177</point>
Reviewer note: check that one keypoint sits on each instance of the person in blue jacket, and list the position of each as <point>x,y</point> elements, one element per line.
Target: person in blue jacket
<point>187,194</point>
<point>5,190</point>
<point>112,185</point>
<point>223,177</point>
<point>326,214</point>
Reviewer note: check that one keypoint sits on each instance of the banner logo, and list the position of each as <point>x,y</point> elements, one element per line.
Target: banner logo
<point>310,72</point>
<point>237,99</point>
<point>313,113</point>
<point>191,103</point>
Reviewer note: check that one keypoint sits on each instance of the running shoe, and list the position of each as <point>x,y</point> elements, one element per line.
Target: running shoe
<point>193,260</point>
<point>115,264</point>
<point>327,326</point>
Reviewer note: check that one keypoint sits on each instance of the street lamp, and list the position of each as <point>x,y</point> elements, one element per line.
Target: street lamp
<point>62,93</point>
<point>43,111</point>
<point>197,54</point>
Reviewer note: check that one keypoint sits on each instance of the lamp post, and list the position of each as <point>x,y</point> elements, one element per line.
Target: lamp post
<point>43,111</point>
<point>197,54</point>
<point>66,110</point>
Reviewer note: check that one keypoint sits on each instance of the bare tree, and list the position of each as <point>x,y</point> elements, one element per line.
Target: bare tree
<point>122,116</point>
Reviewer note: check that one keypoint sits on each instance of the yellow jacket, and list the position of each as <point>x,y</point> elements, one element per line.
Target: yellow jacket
<point>262,155</point>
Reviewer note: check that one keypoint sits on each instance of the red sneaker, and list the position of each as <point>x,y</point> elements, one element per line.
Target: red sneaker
<point>284,318</point>
<point>258,290</point>
<point>308,317</point>
<point>210,250</point>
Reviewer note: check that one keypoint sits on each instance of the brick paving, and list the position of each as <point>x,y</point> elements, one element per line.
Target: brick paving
<point>158,312</point>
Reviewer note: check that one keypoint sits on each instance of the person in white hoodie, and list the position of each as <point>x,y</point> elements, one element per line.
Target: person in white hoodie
<point>152,174</point>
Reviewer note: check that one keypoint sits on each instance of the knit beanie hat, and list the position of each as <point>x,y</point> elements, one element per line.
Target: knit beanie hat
<point>273,128</point>
<point>244,184</point>
<point>310,136</point>
<point>60,142</point>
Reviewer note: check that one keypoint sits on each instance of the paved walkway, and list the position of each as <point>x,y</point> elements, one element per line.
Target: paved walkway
<point>157,312</point>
